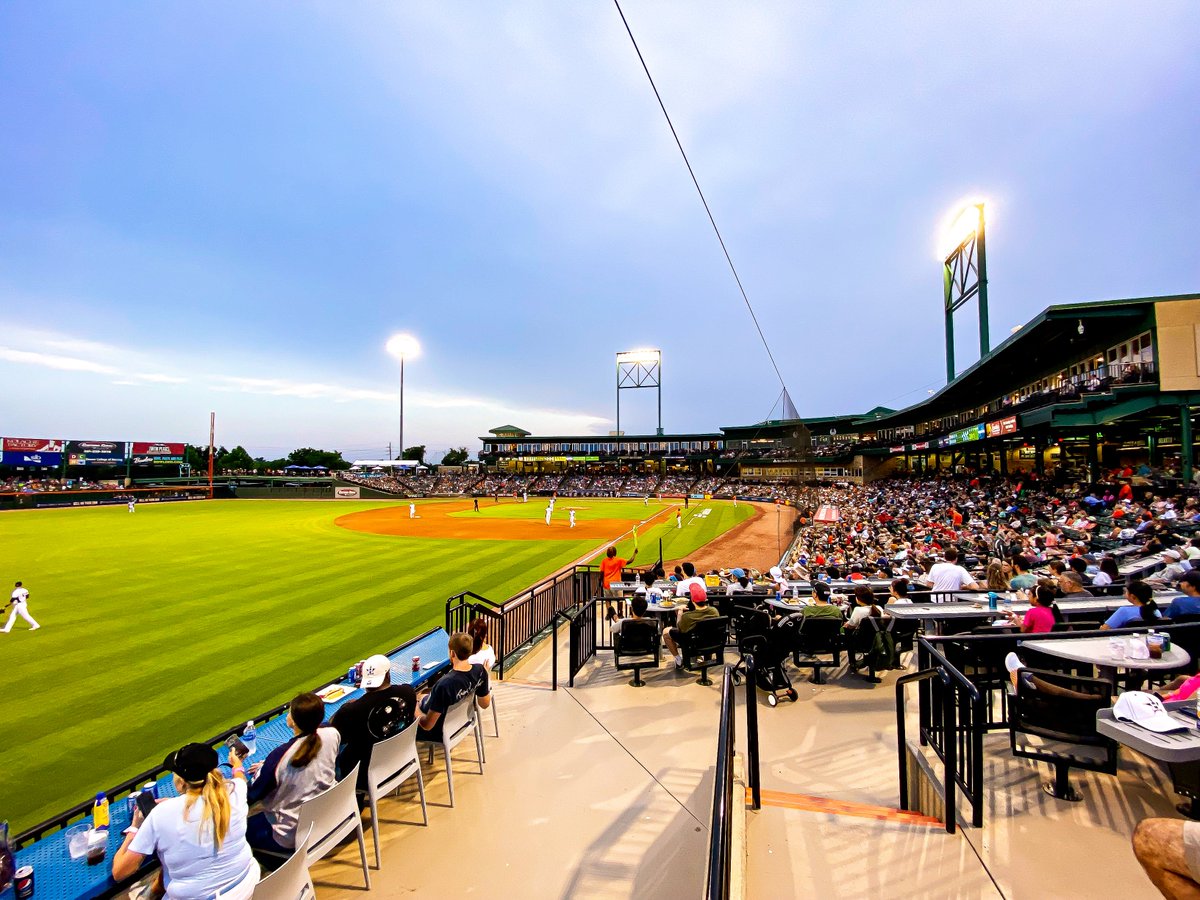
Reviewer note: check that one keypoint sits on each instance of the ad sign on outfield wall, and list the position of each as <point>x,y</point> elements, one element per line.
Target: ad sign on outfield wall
<point>346,493</point>
<point>30,452</point>
<point>95,453</point>
<point>144,453</point>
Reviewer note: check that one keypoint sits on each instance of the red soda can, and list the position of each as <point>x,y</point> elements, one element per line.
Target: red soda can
<point>23,883</point>
<point>416,664</point>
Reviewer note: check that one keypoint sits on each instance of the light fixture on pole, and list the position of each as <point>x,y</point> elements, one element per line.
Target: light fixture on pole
<point>403,346</point>
<point>639,369</point>
<point>964,272</point>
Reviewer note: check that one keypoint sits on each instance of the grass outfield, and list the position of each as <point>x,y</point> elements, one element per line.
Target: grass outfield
<point>185,618</point>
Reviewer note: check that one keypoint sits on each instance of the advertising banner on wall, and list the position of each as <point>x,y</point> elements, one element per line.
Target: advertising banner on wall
<point>346,493</point>
<point>31,452</point>
<point>95,453</point>
<point>150,453</point>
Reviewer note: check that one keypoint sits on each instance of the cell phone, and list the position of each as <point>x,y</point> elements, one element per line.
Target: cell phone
<point>145,803</point>
<point>235,744</point>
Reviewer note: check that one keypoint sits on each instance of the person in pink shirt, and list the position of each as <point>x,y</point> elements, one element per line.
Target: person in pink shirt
<point>1043,612</point>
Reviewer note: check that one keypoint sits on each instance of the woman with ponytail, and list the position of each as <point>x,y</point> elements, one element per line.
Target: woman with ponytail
<point>1142,611</point>
<point>1043,612</point>
<point>199,836</point>
<point>291,774</point>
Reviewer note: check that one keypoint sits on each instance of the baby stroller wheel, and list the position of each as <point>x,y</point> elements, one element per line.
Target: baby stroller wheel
<point>772,700</point>
<point>792,695</point>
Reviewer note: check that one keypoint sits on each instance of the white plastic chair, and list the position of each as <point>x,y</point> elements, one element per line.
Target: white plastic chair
<point>393,762</point>
<point>332,815</point>
<point>457,723</point>
<point>290,881</point>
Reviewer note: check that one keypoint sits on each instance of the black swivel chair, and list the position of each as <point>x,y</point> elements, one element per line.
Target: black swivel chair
<point>704,646</point>
<point>1052,717</point>
<point>635,646</point>
<point>813,637</point>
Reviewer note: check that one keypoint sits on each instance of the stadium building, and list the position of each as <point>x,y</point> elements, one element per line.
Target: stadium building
<point>1079,388</point>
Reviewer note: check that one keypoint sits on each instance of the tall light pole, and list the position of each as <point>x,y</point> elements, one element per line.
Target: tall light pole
<point>403,346</point>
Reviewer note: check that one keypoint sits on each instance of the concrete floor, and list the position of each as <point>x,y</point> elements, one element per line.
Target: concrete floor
<point>604,790</point>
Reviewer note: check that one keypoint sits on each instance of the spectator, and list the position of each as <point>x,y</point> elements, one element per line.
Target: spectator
<point>292,773</point>
<point>1108,573</point>
<point>481,651</point>
<point>688,619</point>
<point>382,711</point>
<point>949,576</point>
<point>995,576</point>
<point>898,592</point>
<point>821,608</point>
<point>1189,603</point>
<point>1043,612</point>
<point>1169,851</point>
<point>864,606</point>
<point>610,570</point>
<point>637,606</point>
<point>1144,609</point>
<point>1024,580</point>
<point>199,836</point>
<point>684,586</point>
<point>463,679</point>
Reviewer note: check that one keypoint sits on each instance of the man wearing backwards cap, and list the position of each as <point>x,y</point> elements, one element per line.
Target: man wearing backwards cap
<point>688,620</point>
<point>383,710</point>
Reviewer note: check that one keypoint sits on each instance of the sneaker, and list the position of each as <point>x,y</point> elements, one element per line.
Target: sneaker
<point>678,661</point>
<point>35,627</point>
<point>1012,662</point>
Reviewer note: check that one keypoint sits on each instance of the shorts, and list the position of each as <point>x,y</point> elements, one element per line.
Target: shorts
<point>611,592</point>
<point>1191,848</point>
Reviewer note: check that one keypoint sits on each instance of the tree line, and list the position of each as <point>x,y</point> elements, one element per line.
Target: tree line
<point>239,459</point>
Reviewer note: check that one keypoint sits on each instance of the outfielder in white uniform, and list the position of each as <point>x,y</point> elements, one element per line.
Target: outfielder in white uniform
<point>412,510</point>
<point>131,503</point>
<point>572,518</point>
<point>18,602</point>
<point>549,512</point>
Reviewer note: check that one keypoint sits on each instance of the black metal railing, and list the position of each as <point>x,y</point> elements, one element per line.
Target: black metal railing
<point>462,608</point>
<point>720,834</point>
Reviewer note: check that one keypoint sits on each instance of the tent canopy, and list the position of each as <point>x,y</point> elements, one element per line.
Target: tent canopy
<point>388,463</point>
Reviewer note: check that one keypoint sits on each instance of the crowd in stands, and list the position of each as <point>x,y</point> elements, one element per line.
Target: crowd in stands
<point>24,484</point>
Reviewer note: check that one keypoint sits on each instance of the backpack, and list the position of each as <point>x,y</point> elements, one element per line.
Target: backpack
<point>883,654</point>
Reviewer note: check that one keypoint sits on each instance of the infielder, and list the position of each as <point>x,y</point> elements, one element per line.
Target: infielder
<point>549,512</point>
<point>18,602</point>
<point>412,510</point>
<point>572,512</point>
<point>678,519</point>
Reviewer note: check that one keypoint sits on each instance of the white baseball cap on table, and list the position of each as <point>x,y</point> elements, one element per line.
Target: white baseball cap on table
<point>376,670</point>
<point>1145,710</point>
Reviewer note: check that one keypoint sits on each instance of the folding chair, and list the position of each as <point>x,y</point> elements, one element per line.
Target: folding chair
<point>290,881</point>
<point>393,762</point>
<point>456,724</point>
<point>329,817</point>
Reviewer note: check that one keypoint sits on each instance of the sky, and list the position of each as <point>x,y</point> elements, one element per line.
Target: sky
<point>230,207</point>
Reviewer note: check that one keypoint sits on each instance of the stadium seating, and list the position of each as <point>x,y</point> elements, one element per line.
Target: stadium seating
<point>456,724</point>
<point>393,762</point>
<point>290,881</point>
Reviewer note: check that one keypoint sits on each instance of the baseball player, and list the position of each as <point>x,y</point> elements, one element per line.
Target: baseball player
<point>572,512</point>
<point>678,518</point>
<point>18,602</point>
<point>132,502</point>
<point>412,510</point>
<point>524,496</point>
<point>549,512</point>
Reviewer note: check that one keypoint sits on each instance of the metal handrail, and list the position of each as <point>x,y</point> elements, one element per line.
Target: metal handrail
<point>720,833</point>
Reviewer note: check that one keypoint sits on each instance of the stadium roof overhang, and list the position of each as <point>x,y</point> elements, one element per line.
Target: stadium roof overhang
<point>1049,341</point>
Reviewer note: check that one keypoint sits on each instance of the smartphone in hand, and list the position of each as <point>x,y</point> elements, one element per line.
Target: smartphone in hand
<point>145,803</point>
<point>235,744</point>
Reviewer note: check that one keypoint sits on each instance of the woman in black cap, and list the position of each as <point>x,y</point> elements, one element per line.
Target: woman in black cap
<point>199,836</point>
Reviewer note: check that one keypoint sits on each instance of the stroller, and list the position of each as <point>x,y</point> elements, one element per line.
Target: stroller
<point>769,646</point>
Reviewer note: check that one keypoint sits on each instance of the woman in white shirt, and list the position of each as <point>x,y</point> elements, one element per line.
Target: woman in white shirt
<point>481,651</point>
<point>294,772</point>
<point>199,836</point>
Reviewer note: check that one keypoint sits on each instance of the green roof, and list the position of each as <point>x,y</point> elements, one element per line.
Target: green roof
<point>508,429</point>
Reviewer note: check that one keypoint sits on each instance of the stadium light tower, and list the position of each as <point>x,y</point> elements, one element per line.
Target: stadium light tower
<point>964,272</point>
<point>639,369</point>
<point>403,346</point>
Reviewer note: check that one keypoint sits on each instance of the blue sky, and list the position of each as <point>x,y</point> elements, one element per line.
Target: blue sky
<point>230,206</point>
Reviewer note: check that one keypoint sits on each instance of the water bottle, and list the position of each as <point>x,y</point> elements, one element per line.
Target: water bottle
<point>100,813</point>
<point>248,737</point>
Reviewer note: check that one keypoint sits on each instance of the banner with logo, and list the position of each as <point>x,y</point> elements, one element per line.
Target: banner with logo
<point>31,452</point>
<point>95,453</point>
<point>346,493</point>
<point>149,453</point>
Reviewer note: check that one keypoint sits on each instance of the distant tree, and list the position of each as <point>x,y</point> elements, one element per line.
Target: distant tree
<point>309,456</point>
<point>196,457</point>
<point>237,458</point>
<point>417,453</point>
<point>456,456</point>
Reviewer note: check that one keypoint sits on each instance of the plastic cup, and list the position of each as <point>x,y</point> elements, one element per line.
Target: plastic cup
<point>77,840</point>
<point>1116,648</point>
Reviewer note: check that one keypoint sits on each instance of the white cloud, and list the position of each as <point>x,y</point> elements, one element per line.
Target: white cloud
<point>55,361</point>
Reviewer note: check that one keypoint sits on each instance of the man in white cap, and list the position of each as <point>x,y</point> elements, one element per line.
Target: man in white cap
<point>383,710</point>
<point>1176,568</point>
<point>18,602</point>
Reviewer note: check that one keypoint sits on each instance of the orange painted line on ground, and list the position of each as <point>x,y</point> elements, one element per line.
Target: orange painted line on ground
<point>809,803</point>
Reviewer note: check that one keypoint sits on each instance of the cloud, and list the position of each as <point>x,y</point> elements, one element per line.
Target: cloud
<point>55,361</point>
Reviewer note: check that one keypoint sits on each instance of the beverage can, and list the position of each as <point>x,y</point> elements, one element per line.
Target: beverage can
<point>152,787</point>
<point>416,663</point>
<point>23,882</point>
<point>131,803</point>
<point>350,673</point>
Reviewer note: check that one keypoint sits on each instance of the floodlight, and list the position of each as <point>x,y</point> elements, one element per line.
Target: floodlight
<point>960,223</point>
<point>403,346</point>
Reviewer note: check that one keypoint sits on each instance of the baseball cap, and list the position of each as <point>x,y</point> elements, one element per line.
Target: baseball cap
<point>776,572</point>
<point>1145,710</point>
<point>741,573</point>
<point>1171,554</point>
<point>376,670</point>
<point>192,762</point>
<point>698,593</point>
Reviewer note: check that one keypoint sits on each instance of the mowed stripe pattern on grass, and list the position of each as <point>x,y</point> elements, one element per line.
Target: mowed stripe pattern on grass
<point>183,619</point>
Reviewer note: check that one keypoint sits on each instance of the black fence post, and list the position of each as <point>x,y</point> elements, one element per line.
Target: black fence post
<point>950,749</point>
<point>752,762</point>
<point>554,655</point>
